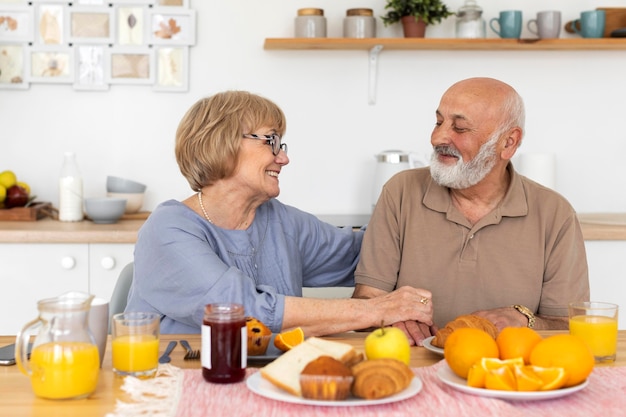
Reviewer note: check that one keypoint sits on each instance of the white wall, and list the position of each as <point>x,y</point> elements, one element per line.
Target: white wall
<point>574,108</point>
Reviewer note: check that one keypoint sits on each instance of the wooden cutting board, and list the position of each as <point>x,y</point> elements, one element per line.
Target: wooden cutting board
<point>615,19</point>
<point>31,213</point>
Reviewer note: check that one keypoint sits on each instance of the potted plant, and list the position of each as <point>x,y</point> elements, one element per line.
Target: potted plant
<point>415,15</point>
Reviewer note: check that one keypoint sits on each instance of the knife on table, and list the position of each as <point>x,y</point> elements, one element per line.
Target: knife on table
<point>165,357</point>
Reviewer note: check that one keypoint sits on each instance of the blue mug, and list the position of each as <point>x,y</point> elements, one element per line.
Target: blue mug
<point>510,22</point>
<point>591,24</point>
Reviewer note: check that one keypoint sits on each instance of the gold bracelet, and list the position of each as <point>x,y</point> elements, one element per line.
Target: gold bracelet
<point>526,312</point>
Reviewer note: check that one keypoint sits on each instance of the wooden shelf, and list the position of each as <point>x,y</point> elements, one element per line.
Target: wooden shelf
<point>434,44</point>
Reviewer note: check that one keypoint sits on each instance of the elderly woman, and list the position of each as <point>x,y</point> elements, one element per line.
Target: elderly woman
<point>232,241</point>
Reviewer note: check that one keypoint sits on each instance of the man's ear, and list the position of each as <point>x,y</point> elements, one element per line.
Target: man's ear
<point>512,142</point>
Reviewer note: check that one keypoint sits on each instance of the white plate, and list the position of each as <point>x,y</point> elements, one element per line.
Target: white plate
<point>264,388</point>
<point>448,377</point>
<point>429,346</point>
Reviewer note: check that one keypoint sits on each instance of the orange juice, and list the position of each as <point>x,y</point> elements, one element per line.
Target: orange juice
<point>63,370</point>
<point>135,353</point>
<point>599,332</point>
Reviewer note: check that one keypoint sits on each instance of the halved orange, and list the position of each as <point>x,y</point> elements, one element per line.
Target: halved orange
<point>288,339</point>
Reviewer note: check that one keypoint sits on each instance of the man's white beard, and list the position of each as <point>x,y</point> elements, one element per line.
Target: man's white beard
<point>464,174</point>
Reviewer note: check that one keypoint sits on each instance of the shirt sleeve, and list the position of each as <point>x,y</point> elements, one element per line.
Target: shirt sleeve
<point>178,272</point>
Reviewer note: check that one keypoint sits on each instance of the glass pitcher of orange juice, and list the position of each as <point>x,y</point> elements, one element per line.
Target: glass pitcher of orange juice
<point>64,362</point>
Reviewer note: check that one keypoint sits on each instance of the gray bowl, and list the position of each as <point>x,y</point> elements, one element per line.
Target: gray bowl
<point>123,185</point>
<point>105,210</point>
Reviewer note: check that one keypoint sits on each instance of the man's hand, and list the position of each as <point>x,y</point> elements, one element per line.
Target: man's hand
<point>416,331</point>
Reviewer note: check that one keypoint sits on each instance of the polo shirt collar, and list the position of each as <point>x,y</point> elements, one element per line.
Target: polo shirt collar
<point>514,203</point>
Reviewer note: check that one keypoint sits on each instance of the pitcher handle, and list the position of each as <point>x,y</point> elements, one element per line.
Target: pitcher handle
<point>21,346</point>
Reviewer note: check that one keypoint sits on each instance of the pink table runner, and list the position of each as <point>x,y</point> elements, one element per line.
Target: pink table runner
<point>605,396</point>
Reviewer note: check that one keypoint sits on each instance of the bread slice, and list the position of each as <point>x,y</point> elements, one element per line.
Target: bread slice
<point>284,372</point>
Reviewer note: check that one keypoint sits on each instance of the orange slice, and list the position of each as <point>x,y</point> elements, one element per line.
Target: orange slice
<point>288,339</point>
<point>527,379</point>
<point>478,372</point>
<point>501,379</point>
<point>553,377</point>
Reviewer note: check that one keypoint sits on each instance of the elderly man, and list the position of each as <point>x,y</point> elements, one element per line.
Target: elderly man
<point>471,230</point>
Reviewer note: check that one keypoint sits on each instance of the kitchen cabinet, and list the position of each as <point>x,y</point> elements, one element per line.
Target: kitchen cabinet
<point>33,271</point>
<point>376,45</point>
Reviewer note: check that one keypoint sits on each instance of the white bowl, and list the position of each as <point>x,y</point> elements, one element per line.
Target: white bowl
<point>105,210</point>
<point>134,201</point>
<point>123,185</point>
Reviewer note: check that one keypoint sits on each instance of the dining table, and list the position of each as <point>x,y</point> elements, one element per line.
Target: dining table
<point>192,396</point>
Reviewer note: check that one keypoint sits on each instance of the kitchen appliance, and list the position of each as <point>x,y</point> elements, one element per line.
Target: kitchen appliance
<point>389,163</point>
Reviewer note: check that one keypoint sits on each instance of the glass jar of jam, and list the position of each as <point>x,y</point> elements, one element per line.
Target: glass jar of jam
<point>224,343</point>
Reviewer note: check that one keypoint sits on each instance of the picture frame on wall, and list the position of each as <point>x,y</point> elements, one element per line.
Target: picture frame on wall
<point>51,65</point>
<point>50,24</point>
<point>13,67</point>
<point>129,65</point>
<point>16,23</point>
<point>90,67</point>
<point>171,3</point>
<point>90,24</point>
<point>172,68</point>
<point>172,26</point>
<point>130,25</point>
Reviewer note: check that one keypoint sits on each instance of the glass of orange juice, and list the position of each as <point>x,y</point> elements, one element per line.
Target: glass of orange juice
<point>135,344</point>
<point>596,323</point>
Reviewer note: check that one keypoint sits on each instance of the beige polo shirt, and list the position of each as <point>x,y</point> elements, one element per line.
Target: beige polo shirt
<point>529,250</point>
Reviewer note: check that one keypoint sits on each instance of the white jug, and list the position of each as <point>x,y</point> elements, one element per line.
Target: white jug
<point>389,163</point>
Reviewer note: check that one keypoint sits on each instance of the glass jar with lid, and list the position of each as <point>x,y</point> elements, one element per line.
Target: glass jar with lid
<point>310,23</point>
<point>469,21</point>
<point>359,23</point>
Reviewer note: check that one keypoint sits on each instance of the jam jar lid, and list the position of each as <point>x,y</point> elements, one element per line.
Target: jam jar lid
<point>359,12</point>
<point>309,11</point>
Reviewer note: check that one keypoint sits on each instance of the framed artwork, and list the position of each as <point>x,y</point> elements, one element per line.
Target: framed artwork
<point>50,28</point>
<point>171,3</point>
<point>16,23</point>
<point>172,68</point>
<point>129,65</point>
<point>134,2</point>
<point>13,67</point>
<point>90,24</point>
<point>51,65</point>
<point>131,25</point>
<point>89,68</point>
<point>172,26</point>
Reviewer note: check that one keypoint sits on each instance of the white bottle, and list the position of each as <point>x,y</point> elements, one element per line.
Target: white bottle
<point>70,190</point>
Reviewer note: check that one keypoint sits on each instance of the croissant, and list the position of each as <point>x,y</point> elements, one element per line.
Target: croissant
<point>468,320</point>
<point>379,378</point>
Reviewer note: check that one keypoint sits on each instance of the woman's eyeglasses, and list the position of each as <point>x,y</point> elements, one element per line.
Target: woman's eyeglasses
<point>273,140</point>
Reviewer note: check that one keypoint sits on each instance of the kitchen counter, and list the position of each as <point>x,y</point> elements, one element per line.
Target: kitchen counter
<point>595,226</point>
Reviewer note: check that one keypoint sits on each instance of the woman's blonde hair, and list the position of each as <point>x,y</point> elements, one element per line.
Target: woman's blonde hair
<point>209,135</point>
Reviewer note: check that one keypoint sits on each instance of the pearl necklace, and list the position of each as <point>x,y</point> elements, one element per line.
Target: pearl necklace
<point>202,207</point>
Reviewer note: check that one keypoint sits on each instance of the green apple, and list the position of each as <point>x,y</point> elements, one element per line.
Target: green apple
<point>388,342</point>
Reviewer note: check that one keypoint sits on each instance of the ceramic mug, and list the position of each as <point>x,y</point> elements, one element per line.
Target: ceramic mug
<point>591,24</point>
<point>510,23</point>
<point>547,25</point>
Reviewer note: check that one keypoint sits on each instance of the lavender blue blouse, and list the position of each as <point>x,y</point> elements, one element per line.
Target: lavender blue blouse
<point>183,262</point>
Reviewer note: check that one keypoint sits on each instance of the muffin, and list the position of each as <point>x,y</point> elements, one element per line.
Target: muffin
<point>259,336</point>
<point>326,378</point>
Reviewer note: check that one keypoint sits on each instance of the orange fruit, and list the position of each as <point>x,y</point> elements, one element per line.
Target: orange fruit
<point>501,379</point>
<point>466,346</point>
<point>564,351</point>
<point>514,342</point>
<point>288,339</point>
<point>551,378</point>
